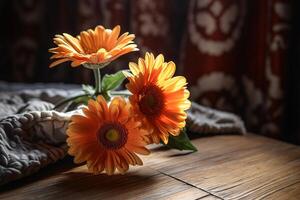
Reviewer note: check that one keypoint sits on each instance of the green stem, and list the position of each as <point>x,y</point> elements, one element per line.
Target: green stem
<point>68,100</point>
<point>97,75</point>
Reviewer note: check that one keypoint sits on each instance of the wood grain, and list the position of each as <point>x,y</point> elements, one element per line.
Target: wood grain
<point>236,167</point>
<point>225,167</point>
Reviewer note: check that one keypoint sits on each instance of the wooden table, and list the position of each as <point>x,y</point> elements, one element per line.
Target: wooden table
<point>225,167</point>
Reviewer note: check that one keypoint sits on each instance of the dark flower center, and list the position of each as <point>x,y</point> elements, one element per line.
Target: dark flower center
<point>113,135</point>
<point>151,101</point>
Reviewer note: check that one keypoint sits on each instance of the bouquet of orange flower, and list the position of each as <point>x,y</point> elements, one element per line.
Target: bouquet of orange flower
<point>113,129</point>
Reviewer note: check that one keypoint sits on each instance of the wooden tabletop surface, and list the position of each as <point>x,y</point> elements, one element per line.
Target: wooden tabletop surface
<point>225,167</point>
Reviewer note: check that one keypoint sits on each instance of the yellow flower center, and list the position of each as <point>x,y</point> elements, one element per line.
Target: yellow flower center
<point>112,135</point>
<point>152,101</point>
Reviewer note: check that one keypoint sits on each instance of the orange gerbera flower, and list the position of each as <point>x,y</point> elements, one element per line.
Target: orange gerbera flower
<point>106,137</point>
<point>157,97</point>
<point>99,46</point>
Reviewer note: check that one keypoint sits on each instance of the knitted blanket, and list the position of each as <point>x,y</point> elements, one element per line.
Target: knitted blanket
<point>32,135</point>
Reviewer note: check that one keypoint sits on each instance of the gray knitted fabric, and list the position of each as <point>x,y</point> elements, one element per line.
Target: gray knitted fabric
<point>32,135</point>
<point>208,121</point>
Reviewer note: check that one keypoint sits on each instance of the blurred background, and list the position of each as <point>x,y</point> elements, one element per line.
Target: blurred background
<point>238,55</point>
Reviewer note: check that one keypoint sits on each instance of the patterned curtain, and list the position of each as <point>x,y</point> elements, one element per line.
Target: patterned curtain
<point>233,52</point>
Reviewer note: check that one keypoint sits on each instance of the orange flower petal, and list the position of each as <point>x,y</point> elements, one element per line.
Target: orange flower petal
<point>107,137</point>
<point>158,97</point>
<point>96,46</point>
<point>57,62</point>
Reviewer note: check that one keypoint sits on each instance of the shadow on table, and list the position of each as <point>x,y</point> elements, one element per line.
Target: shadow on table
<point>52,169</point>
<point>84,184</point>
<point>64,180</point>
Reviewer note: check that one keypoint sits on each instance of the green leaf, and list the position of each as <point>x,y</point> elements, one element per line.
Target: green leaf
<point>181,142</point>
<point>113,81</point>
<point>88,89</point>
<point>82,100</point>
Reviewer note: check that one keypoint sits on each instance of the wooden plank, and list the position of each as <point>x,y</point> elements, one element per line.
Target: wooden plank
<point>209,197</point>
<point>247,167</point>
<point>225,167</point>
<point>139,183</point>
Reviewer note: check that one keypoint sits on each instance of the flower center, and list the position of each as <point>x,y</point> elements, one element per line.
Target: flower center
<point>112,135</point>
<point>152,101</point>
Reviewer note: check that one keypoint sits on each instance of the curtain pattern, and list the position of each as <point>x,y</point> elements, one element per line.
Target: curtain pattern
<point>240,46</point>
<point>233,52</point>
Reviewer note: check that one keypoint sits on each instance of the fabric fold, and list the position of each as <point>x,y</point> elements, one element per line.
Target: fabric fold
<point>32,135</point>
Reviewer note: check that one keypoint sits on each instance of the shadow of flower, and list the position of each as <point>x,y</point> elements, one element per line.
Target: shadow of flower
<point>83,184</point>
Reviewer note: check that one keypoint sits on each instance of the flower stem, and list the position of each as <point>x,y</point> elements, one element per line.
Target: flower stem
<point>68,100</point>
<point>97,75</point>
